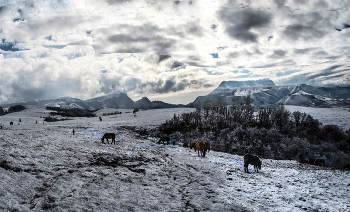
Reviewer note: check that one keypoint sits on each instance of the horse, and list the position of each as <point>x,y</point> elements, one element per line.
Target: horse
<point>253,160</point>
<point>163,139</point>
<point>185,144</point>
<point>319,162</point>
<point>108,136</point>
<point>201,147</point>
<point>193,145</point>
<point>100,118</point>
<point>207,144</point>
<point>11,123</point>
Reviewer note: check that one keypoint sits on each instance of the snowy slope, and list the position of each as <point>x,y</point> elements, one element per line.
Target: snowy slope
<point>44,167</point>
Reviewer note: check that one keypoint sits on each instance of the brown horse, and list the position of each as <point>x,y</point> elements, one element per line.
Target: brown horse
<point>319,162</point>
<point>164,139</point>
<point>108,136</point>
<point>201,147</point>
<point>208,146</point>
<point>185,144</point>
<point>253,160</point>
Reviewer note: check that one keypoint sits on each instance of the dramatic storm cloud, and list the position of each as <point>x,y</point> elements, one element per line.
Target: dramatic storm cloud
<point>167,50</point>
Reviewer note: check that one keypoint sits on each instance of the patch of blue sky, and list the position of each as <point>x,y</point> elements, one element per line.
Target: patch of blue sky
<point>235,71</point>
<point>270,38</point>
<point>12,55</point>
<point>104,71</point>
<point>55,46</point>
<point>215,55</point>
<point>213,73</point>
<point>221,48</point>
<point>245,71</point>
<point>281,74</point>
<point>176,69</point>
<point>75,55</point>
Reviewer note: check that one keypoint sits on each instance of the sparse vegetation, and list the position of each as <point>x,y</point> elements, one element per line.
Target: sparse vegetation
<point>73,112</point>
<point>270,133</point>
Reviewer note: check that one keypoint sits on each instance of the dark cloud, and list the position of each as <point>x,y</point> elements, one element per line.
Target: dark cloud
<point>299,31</point>
<point>17,20</point>
<point>8,46</point>
<point>124,38</point>
<point>278,54</point>
<point>2,9</point>
<point>176,64</point>
<point>173,85</point>
<point>108,84</point>
<point>303,51</point>
<point>177,2</point>
<point>280,3</point>
<point>22,93</point>
<point>239,23</point>
<point>325,72</point>
<point>163,57</point>
<point>140,39</point>
<point>345,26</point>
<point>308,26</point>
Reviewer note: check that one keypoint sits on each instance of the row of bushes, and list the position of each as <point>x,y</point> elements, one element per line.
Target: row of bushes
<point>73,112</point>
<point>270,133</point>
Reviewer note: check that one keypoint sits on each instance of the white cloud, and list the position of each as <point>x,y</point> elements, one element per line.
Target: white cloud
<point>165,48</point>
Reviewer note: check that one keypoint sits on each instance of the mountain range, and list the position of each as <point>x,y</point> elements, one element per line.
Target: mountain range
<point>263,92</point>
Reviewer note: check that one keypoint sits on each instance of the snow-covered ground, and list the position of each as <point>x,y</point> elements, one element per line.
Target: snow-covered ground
<point>44,166</point>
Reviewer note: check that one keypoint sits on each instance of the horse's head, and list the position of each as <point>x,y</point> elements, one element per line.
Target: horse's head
<point>259,164</point>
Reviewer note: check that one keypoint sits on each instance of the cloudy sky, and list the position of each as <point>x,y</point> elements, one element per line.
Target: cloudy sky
<point>168,50</point>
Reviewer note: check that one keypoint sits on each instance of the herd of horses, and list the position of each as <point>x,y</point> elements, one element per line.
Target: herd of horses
<point>203,147</point>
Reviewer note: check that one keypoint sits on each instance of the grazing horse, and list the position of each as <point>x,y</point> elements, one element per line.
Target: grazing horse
<point>253,160</point>
<point>185,144</point>
<point>164,139</point>
<point>319,162</point>
<point>207,144</point>
<point>108,136</point>
<point>11,123</point>
<point>201,147</point>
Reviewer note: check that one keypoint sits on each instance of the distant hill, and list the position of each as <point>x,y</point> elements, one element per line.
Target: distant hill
<point>115,100</point>
<point>265,94</point>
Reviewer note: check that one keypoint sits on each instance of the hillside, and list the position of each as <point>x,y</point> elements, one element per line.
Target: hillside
<point>44,167</point>
<point>265,94</point>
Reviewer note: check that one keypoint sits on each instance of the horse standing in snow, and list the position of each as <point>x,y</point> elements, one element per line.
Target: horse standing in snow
<point>108,136</point>
<point>164,139</point>
<point>253,160</point>
<point>201,147</point>
<point>319,162</point>
<point>185,144</point>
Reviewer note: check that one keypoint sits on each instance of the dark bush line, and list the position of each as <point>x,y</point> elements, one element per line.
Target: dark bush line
<point>270,133</point>
<point>73,112</point>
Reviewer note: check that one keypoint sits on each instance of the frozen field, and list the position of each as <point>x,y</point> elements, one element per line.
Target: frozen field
<point>44,167</point>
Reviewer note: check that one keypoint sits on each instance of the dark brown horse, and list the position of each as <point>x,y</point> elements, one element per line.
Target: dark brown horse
<point>185,144</point>
<point>108,136</point>
<point>201,147</point>
<point>164,139</point>
<point>319,162</point>
<point>207,145</point>
<point>253,160</point>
